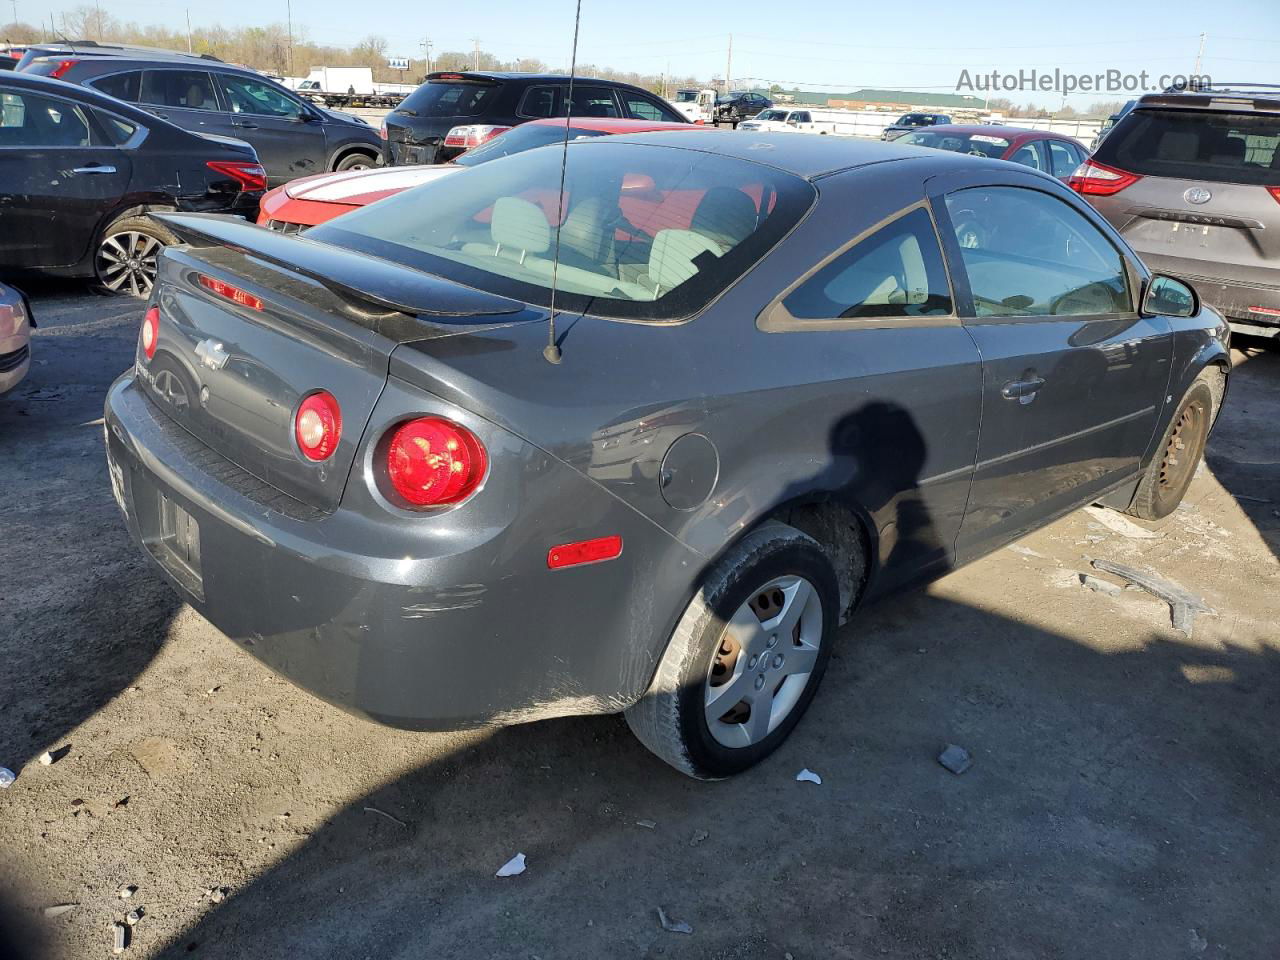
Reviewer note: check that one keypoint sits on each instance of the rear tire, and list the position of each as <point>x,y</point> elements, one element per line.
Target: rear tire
<point>356,161</point>
<point>126,259</point>
<point>746,658</point>
<point>1173,468</point>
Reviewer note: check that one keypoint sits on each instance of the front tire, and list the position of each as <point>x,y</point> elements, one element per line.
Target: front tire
<point>745,659</point>
<point>127,256</point>
<point>1173,468</point>
<point>356,161</point>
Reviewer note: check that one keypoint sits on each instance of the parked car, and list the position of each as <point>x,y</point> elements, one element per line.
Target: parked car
<point>1051,152</point>
<point>737,107</point>
<point>16,324</point>
<point>1192,182</point>
<point>452,112</point>
<point>313,200</point>
<point>409,491</point>
<point>293,138</point>
<point>115,164</point>
<point>1110,122</point>
<point>803,120</point>
<point>913,121</point>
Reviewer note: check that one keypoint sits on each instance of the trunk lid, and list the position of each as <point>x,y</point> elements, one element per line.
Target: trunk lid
<point>252,322</point>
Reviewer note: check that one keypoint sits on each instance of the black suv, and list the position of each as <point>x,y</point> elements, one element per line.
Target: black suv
<point>737,107</point>
<point>913,121</point>
<point>483,104</point>
<point>114,164</point>
<point>293,138</point>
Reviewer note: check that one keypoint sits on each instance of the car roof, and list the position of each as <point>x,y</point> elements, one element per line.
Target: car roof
<point>107,51</point>
<point>1234,97</point>
<point>87,95</point>
<point>998,130</point>
<point>804,156</point>
<point>615,124</point>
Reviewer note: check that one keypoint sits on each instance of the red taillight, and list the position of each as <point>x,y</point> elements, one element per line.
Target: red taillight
<point>62,68</point>
<point>150,331</point>
<point>250,176</point>
<point>584,551</point>
<point>472,135</point>
<point>432,462</point>
<point>234,294</point>
<point>1265,311</point>
<point>1275,193</point>
<point>317,426</point>
<point>1095,179</point>
<point>382,131</point>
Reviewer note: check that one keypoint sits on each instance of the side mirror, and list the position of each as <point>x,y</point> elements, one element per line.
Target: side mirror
<point>1169,297</point>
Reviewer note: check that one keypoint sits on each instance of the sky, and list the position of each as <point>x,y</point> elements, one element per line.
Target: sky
<point>828,44</point>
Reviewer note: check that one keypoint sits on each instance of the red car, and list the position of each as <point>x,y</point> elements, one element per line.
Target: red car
<point>309,201</point>
<point>1053,153</point>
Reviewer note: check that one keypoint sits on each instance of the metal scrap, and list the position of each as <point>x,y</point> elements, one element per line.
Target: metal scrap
<point>1183,605</point>
<point>672,925</point>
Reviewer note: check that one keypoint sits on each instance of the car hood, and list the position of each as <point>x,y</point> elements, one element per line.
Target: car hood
<point>360,187</point>
<point>344,117</point>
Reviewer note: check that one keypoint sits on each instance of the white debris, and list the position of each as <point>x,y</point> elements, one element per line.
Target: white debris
<point>1121,525</point>
<point>121,937</point>
<point>672,925</point>
<point>127,891</point>
<point>6,777</point>
<point>647,824</point>
<point>46,759</point>
<point>513,867</point>
<point>58,909</point>
<point>1026,551</point>
<point>808,776</point>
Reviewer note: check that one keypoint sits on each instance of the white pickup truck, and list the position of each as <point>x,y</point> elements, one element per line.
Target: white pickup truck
<point>801,120</point>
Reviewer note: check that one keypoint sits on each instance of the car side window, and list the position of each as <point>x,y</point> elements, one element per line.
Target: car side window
<point>1028,254</point>
<point>1029,156</point>
<point>189,89</point>
<point>593,102</point>
<point>123,86</point>
<point>895,272</point>
<point>257,98</point>
<point>539,102</point>
<point>641,109</point>
<point>1062,159</point>
<point>30,120</point>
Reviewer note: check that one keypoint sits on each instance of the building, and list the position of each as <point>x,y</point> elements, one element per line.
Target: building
<point>893,101</point>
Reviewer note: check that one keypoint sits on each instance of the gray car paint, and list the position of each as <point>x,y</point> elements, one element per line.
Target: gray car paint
<point>452,617</point>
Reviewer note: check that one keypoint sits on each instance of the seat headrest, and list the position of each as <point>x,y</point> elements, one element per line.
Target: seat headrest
<point>195,96</point>
<point>726,215</point>
<point>671,259</point>
<point>520,225</point>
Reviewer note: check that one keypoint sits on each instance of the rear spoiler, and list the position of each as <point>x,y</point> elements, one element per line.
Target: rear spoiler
<point>346,272</point>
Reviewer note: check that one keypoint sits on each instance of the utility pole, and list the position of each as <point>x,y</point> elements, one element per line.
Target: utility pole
<point>475,57</point>
<point>189,50</point>
<point>1199,55</point>
<point>288,10</point>
<point>426,46</point>
<point>15,10</point>
<point>728,69</point>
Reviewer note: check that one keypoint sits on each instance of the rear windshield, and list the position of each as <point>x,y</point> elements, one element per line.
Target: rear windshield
<point>648,233</point>
<point>1196,145</point>
<point>521,138</point>
<point>450,98</point>
<point>978,144</point>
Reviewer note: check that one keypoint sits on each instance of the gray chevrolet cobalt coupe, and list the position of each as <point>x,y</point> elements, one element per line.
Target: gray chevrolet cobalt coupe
<point>785,377</point>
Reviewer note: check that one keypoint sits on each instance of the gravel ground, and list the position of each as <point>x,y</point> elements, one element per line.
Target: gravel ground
<point>1123,799</point>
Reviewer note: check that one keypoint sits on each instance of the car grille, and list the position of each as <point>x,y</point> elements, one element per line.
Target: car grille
<point>12,361</point>
<point>284,226</point>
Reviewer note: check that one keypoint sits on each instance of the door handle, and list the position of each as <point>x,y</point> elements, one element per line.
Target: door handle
<point>245,125</point>
<point>1024,391</point>
<point>96,168</point>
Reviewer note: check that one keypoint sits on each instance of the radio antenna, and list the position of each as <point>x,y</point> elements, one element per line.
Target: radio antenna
<point>552,350</point>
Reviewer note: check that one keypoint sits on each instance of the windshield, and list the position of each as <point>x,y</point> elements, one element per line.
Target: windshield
<point>1196,145</point>
<point>779,115</point>
<point>686,96</point>
<point>649,232</point>
<point>978,144</point>
<point>450,98</point>
<point>521,138</point>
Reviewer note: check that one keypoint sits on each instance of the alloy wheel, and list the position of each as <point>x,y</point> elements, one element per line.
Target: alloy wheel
<point>127,262</point>
<point>763,661</point>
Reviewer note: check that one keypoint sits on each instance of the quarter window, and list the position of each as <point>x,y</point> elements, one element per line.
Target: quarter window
<point>895,272</point>
<point>1029,156</point>
<point>257,98</point>
<point>189,89</point>
<point>30,120</point>
<point>539,102</point>
<point>1029,254</point>
<point>594,102</point>
<point>122,86</point>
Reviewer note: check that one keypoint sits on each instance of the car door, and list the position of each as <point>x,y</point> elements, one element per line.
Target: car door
<point>288,135</point>
<point>184,97</point>
<point>592,101</point>
<point>1074,378</point>
<point>875,324</point>
<point>1030,153</point>
<point>1064,158</point>
<point>59,176</point>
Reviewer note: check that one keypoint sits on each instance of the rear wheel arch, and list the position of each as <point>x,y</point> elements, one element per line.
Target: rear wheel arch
<point>351,150</point>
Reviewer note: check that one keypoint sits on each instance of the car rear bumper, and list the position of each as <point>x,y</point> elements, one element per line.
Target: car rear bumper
<point>480,633</point>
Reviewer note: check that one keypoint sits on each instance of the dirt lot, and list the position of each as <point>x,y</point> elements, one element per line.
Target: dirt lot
<point>1124,800</point>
